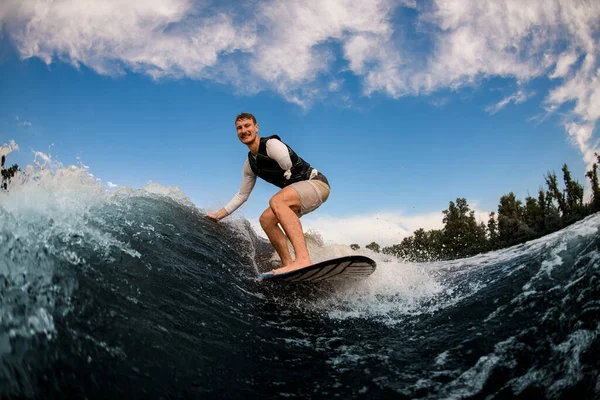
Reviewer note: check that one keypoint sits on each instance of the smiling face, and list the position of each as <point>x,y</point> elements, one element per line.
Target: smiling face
<point>247,130</point>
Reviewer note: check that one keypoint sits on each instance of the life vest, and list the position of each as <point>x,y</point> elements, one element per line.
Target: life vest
<point>269,170</point>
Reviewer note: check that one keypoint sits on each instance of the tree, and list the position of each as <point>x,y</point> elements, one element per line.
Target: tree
<point>574,197</point>
<point>454,227</point>
<point>552,183</point>
<point>354,246</point>
<point>463,236</point>
<point>436,245</point>
<point>510,221</point>
<point>7,173</point>
<point>514,223</point>
<point>492,227</point>
<point>593,176</point>
<point>533,215</point>
<point>543,205</point>
<point>552,220</point>
<point>421,246</point>
<point>373,247</point>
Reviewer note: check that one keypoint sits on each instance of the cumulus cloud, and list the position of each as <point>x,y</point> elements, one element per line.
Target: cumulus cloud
<point>582,88</point>
<point>302,49</point>
<point>555,39</point>
<point>156,37</point>
<point>563,65</point>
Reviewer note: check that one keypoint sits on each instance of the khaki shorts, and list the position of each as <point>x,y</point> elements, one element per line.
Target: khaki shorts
<point>312,194</point>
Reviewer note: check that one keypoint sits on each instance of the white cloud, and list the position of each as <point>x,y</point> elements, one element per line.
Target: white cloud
<point>21,122</point>
<point>519,97</point>
<point>563,65</point>
<point>384,228</point>
<point>298,38</point>
<point>111,185</point>
<point>157,37</point>
<point>300,48</point>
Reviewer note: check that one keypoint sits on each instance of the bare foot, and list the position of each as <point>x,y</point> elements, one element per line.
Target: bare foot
<point>297,264</point>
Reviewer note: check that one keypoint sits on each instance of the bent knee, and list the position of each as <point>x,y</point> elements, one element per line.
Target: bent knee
<point>274,202</point>
<point>277,201</point>
<point>287,197</point>
<point>267,218</point>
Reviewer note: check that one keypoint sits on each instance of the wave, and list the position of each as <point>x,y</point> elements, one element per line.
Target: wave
<point>134,293</point>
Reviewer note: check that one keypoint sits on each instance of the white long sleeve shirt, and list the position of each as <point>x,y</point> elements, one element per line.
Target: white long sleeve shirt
<point>277,151</point>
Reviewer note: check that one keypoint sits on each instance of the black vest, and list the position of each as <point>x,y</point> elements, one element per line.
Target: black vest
<point>268,169</point>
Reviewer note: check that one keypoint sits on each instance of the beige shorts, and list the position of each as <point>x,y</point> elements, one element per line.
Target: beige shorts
<point>312,194</point>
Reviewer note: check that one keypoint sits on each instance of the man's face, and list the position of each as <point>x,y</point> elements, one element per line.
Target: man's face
<point>246,130</point>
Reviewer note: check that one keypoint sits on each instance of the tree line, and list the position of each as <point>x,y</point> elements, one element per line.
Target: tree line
<point>514,222</point>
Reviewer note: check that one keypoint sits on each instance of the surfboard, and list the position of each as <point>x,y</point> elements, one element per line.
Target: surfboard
<point>348,267</point>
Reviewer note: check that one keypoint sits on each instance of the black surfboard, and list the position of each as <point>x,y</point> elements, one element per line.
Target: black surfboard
<point>348,267</point>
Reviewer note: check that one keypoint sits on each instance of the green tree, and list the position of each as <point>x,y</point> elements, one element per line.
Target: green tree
<point>436,245</point>
<point>463,236</point>
<point>492,226</point>
<point>557,194</point>
<point>552,220</point>
<point>574,197</point>
<point>424,246</point>
<point>419,247</point>
<point>511,227</point>
<point>373,247</point>
<point>454,227</point>
<point>593,177</point>
<point>543,205</point>
<point>7,173</point>
<point>399,250</point>
<point>514,222</point>
<point>533,215</point>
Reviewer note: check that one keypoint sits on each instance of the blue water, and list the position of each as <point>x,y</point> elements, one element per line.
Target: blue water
<point>132,293</point>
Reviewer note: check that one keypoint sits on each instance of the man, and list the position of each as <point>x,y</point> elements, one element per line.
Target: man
<point>303,190</point>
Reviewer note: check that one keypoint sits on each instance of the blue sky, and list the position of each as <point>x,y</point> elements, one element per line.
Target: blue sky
<point>403,105</point>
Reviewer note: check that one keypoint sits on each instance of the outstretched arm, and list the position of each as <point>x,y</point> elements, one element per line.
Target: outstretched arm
<point>248,182</point>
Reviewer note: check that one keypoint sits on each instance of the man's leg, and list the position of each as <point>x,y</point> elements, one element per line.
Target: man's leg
<point>284,206</point>
<point>269,222</point>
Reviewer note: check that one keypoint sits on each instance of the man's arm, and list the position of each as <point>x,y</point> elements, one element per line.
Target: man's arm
<point>248,182</point>
<point>279,152</point>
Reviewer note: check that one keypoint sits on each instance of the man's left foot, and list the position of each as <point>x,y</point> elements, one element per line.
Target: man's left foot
<point>298,264</point>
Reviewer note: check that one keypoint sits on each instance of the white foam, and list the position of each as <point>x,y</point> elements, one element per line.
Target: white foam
<point>172,192</point>
<point>44,219</point>
<point>6,148</point>
<point>394,291</point>
<point>398,289</point>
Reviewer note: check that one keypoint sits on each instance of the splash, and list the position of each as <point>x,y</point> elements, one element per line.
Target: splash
<point>7,148</point>
<point>48,225</point>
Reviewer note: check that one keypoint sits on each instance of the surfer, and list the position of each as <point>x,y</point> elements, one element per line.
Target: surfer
<point>303,190</point>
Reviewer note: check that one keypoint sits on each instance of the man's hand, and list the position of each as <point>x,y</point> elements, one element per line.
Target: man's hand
<point>212,217</point>
<point>219,215</point>
<point>287,175</point>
